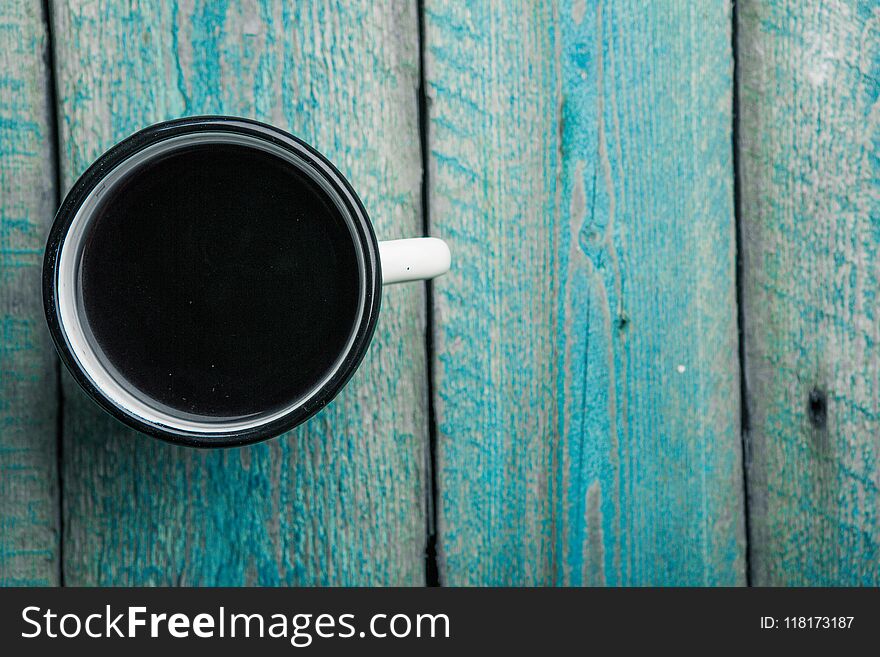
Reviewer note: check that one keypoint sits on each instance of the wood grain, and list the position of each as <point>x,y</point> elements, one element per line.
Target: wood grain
<point>810,209</point>
<point>587,380</point>
<point>28,375</point>
<point>342,499</point>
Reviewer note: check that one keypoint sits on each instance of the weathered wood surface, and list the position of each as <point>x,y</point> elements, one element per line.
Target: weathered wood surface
<point>341,500</point>
<point>28,376</point>
<point>586,377</point>
<point>810,179</point>
<point>587,381</point>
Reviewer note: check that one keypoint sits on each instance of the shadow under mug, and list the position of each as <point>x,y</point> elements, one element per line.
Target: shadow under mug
<point>142,255</point>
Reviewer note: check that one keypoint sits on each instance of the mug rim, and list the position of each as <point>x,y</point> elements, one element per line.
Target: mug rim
<point>317,165</point>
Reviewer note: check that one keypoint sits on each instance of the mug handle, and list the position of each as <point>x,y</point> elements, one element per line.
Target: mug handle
<point>413,259</point>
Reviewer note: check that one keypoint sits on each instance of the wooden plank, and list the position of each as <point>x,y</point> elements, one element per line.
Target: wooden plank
<point>810,206</point>
<point>28,374</point>
<point>341,500</point>
<point>587,380</point>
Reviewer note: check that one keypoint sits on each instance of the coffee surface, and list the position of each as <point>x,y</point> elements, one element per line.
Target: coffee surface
<point>220,282</point>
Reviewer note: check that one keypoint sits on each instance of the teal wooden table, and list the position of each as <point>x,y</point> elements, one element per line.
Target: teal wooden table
<point>655,360</point>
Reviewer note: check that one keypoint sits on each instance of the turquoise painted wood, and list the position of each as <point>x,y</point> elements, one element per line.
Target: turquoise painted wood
<point>587,380</point>
<point>587,384</point>
<point>810,173</point>
<point>28,377</point>
<point>342,500</point>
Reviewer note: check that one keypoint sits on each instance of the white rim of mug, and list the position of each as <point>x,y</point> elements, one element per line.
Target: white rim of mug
<point>97,368</point>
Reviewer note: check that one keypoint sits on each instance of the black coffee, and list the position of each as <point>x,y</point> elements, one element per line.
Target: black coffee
<point>220,281</point>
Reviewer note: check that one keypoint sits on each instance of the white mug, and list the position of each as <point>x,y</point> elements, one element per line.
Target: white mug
<point>215,281</point>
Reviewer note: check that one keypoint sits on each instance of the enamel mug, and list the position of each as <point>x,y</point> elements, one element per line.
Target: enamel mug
<point>215,281</point>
